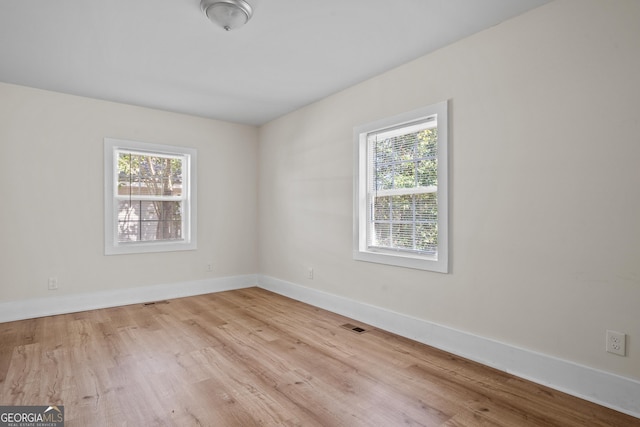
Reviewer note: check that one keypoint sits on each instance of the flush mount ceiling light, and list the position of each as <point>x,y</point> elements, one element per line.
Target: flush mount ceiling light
<point>229,14</point>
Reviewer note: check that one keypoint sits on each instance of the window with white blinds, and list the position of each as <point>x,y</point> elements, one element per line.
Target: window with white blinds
<point>401,194</point>
<point>149,197</point>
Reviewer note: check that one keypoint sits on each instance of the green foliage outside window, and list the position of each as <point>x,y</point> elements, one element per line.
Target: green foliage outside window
<point>406,221</point>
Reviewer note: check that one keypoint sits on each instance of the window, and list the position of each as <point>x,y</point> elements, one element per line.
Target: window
<point>150,197</point>
<point>400,206</point>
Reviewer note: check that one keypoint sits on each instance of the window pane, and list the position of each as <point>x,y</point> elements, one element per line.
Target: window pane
<point>427,173</point>
<point>161,230</point>
<point>426,207</point>
<point>384,177</point>
<point>405,176</point>
<point>128,176</point>
<point>149,175</point>
<point>169,210</point>
<point>402,236</point>
<point>128,231</point>
<point>382,234</point>
<point>148,210</point>
<point>170,230</point>
<point>383,151</point>
<point>382,208</point>
<point>405,161</point>
<point>402,208</point>
<point>427,143</point>
<point>403,147</point>
<point>149,220</point>
<point>149,230</point>
<point>427,237</point>
<point>128,222</point>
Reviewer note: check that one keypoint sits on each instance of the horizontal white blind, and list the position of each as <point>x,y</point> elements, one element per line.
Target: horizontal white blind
<point>402,185</point>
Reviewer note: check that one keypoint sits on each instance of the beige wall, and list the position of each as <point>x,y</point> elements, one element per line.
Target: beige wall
<point>52,201</point>
<point>545,179</point>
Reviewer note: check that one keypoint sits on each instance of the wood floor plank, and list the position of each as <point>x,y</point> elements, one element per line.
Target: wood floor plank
<point>253,358</point>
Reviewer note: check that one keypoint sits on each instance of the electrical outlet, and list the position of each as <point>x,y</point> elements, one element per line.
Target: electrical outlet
<point>310,273</point>
<point>616,343</point>
<point>210,266</point>
<point>53,283</point>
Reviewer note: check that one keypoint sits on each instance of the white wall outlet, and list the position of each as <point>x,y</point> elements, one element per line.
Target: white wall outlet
<point>616,343</point>
<point>209,266</point>
<point>53,283</point>
<point>310,273</point>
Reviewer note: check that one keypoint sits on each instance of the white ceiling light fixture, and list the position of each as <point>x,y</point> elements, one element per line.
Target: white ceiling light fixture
<point>229,14</point>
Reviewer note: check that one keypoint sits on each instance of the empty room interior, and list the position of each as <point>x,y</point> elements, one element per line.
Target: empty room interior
<point>356,213</point>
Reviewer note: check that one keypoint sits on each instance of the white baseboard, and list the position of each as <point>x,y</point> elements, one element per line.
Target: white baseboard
<point>603,388</point>
<point>62,304</point>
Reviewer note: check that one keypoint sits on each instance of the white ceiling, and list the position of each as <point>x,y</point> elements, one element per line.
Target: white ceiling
<point>165,54</point>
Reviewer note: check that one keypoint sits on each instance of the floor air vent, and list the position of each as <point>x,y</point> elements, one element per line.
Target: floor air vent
<point>354,328</point>
<point>155,302</point>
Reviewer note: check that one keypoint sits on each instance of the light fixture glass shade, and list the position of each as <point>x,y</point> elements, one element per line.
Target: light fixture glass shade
<point>229,14</point>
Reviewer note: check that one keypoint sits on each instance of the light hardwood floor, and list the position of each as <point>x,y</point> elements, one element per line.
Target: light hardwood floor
<point>250,357</point>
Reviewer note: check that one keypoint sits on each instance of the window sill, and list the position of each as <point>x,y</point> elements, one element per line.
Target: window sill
<point>149,247</point>
<point>403,260</point>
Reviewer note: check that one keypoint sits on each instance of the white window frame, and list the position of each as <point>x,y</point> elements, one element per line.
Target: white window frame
<point>111,244</point>
<point>361,217</point>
